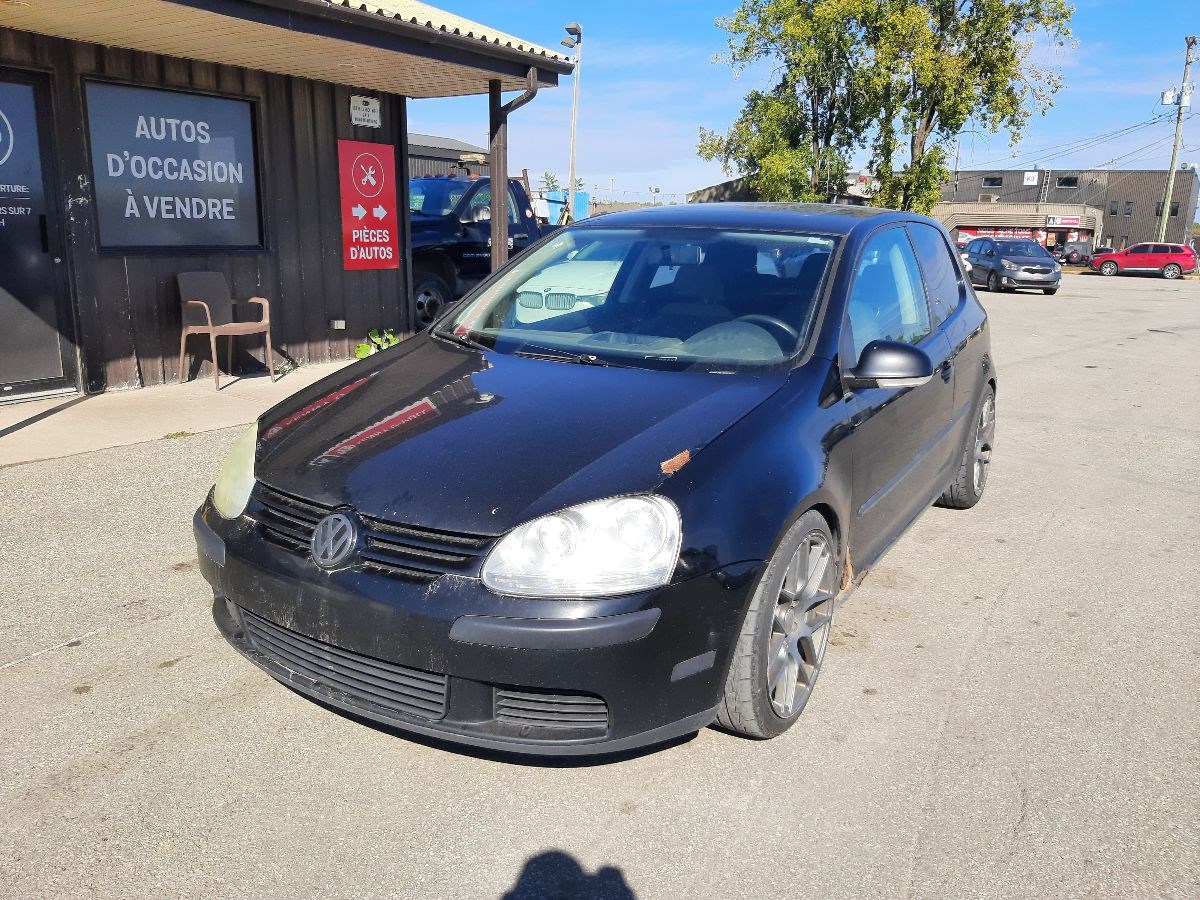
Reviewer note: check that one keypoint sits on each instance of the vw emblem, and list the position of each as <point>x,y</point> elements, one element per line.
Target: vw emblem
<point>334,540</point>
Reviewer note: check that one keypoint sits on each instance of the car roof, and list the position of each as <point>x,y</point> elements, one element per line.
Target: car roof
<point>825,218</point>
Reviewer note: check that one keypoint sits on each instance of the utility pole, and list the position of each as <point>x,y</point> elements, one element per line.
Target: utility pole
<point>574,39</point>
<point>1181,101</point>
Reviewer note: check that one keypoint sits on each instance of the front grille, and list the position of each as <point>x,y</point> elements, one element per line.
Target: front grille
<point>550,710</point>
<point>402,551</point>
<point>363,680</point>
<point>1037,270</point>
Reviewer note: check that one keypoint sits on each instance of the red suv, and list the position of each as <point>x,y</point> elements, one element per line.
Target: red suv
<point>1170,260</point>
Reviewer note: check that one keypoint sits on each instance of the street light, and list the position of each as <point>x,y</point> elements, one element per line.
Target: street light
<point>574,40</point>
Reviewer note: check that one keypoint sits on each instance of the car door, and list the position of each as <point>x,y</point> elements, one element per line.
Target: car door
<point>1139,258</point>
<point>899,436</point>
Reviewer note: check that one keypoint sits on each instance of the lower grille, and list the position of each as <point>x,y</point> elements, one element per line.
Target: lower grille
<point>363,680</point>
<point>546,710</point>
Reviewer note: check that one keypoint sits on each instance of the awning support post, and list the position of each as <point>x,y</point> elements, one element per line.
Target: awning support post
<point>498,160</point>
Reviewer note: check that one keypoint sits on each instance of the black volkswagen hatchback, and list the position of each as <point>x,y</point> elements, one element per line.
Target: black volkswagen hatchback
<point>616,493</point>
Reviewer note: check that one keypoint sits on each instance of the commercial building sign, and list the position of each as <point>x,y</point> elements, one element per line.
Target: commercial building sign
<point>1031,179</point>
<point>172,169</point>
<point>370,227</point>
<point>364,111</point>
<point>1057,221</point>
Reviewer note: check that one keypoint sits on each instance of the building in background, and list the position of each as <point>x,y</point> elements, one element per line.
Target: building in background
<point>263,139</point>
<point>1106,207</point>
<point>429,154</point>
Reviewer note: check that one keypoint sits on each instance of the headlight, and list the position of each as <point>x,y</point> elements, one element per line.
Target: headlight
<point>236,477</point>
<point>1009,264</point>
<point>605,547</point>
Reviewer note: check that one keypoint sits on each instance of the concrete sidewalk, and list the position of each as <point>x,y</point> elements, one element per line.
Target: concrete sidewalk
<point>65,426</point>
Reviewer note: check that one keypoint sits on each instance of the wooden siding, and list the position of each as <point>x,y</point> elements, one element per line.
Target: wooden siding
<point>127,305</point>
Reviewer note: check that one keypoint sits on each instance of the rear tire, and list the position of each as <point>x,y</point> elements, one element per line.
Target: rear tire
<point>1171,271</point>
<point>782,642</point>
<point>1108,268</point>
<point>967,487</point>
<point>431,294</point>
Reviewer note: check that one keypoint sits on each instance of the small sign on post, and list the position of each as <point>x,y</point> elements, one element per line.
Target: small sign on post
<point>370,226</point>
<point>364,111</point>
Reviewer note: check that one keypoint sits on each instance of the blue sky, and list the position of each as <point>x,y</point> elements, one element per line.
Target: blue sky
<point>648,85</point>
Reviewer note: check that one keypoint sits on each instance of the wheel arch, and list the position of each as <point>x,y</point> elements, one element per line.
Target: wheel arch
<point>439,263</point>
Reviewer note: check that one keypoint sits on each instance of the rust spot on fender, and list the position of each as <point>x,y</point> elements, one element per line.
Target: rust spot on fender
<point>676,462</point>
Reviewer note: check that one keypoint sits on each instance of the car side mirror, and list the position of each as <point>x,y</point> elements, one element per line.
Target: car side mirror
<point>991,252</point>
<point>890,364</point>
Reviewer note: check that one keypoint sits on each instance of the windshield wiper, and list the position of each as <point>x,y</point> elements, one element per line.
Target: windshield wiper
<point>533,351</point>
<point>460,338</point>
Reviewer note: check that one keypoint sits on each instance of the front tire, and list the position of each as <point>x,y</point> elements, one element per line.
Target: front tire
<point>1108,268</point>
<point>1049,292</point>
<point>993,282</point>
<point>782,643</point>
<point>967,487</point>
<point>1171,271</point>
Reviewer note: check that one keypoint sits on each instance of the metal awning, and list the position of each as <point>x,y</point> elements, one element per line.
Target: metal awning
<point>397,46</point>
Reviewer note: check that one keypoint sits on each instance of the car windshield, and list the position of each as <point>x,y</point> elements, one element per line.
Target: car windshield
<point>434,196</point>
<point>1021,248</point>
<point>661,298</point>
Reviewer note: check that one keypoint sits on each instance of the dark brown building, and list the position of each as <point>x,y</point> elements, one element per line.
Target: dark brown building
<point>1129,201</point>
<point>143,138</point>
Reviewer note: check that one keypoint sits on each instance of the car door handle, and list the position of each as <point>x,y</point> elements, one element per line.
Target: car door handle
<point>947,370</point>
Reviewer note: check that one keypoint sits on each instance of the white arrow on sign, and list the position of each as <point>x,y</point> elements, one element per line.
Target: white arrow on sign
<point>379,212</point>
<point>357,211</point>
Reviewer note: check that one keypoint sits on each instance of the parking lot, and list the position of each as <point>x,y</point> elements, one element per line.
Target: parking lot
<point>1009,707</point>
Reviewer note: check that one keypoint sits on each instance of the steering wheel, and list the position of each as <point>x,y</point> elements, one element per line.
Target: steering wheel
<point>779,326</point>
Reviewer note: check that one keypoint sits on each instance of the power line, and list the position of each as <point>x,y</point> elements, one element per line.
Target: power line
<point>1072,146</point>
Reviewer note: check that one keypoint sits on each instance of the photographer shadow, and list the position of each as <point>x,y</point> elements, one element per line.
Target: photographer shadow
<point>555,874</point>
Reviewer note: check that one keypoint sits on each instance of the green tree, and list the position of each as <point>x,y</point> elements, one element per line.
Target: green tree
<point>938,64</point>
<point>793,140</point>
<point>549,182</point>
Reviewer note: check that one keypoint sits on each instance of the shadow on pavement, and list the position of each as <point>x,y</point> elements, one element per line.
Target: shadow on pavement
<point>44,414</point>
<point>556,874</point>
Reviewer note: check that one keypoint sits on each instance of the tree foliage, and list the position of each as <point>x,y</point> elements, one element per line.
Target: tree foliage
<point>938,64</point>
<point>794,139</point>
<point>902,76</point>
<point>549,182</point>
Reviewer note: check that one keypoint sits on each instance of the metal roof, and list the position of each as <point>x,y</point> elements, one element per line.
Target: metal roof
<point>434,142</point>
<point>400,46</point>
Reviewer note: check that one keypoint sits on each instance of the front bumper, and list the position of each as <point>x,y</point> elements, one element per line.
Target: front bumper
<point>1018,278</point>
<point>453,661</point>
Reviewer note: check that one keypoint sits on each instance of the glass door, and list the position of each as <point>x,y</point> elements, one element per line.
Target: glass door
<point>36,352</point>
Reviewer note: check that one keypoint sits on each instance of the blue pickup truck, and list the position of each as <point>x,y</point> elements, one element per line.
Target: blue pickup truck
<point>450,217</point>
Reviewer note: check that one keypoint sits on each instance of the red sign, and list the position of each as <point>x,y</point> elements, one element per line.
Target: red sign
<point>370,226</point>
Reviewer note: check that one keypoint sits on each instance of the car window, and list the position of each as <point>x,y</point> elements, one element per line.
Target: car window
<point>943,275</point>
<point>1140,248</point>
<point>887,299</point>
<point>1161,248</point>
<point>1022,248</point>
<point>483,197</point>
<point>662,298</point>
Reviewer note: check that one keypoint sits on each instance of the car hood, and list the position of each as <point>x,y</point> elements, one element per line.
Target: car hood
<point>448,437</point>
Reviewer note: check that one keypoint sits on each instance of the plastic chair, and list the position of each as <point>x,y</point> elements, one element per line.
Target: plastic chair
<point>209,309</point>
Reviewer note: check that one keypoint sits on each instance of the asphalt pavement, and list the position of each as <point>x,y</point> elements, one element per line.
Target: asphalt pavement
<point>1010,706</point>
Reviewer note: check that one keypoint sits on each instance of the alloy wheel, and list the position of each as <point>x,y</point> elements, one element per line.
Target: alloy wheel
<point>800,625</point>
<point>1108,268</point>
<point>1172,271</point>
<point>984,435</point>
